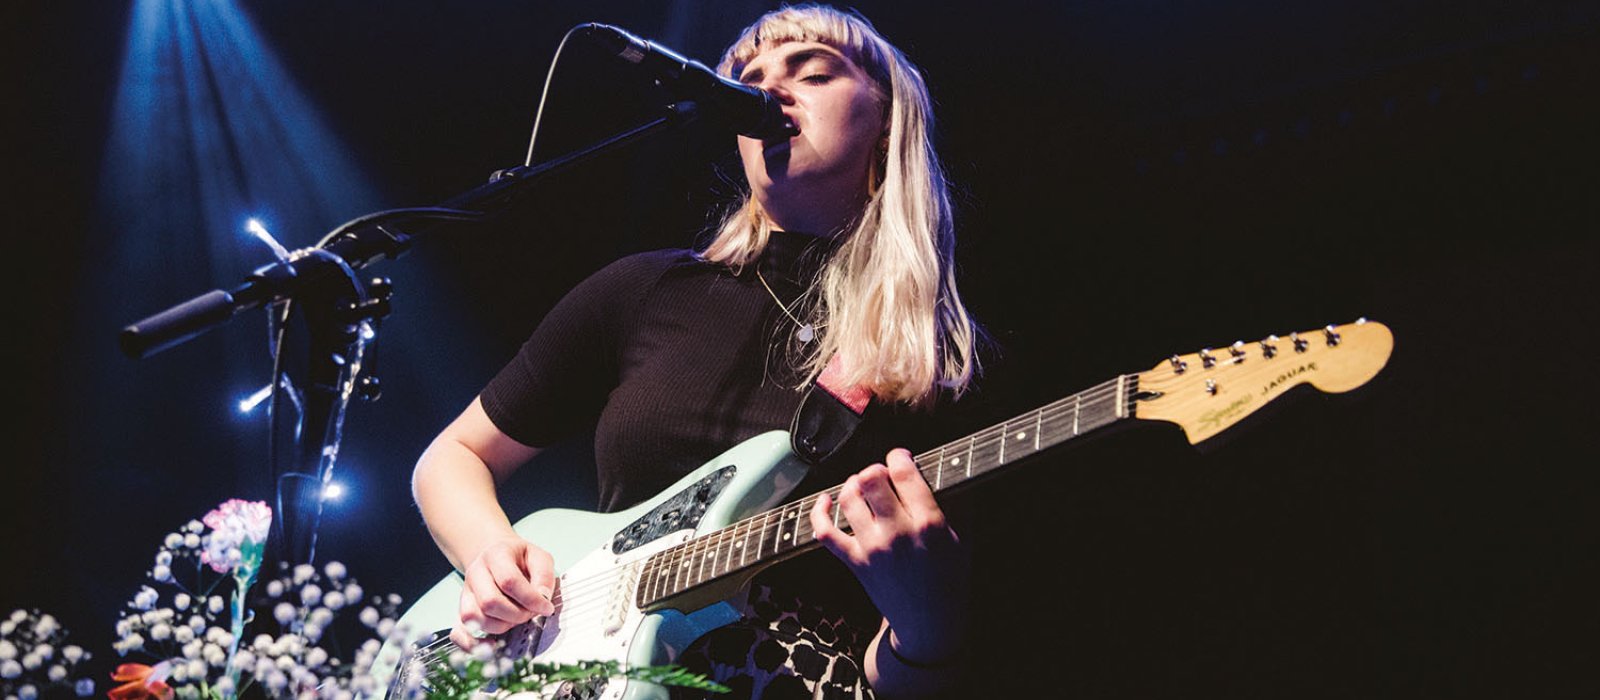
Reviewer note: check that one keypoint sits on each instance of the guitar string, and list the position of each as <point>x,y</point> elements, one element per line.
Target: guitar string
<point>802,528</point>
<point>981,440</point>
<point>576,592</point>
<point>989,438</point>
<point>1053,411</point>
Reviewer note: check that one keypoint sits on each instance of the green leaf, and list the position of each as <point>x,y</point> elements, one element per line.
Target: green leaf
<point>445,682</point>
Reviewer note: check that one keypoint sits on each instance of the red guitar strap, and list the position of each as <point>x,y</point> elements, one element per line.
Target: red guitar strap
<point>829,414</point>
<point>831,380</point>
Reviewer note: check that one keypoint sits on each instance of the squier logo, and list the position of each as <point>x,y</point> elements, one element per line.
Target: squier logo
<point>1213,419</point>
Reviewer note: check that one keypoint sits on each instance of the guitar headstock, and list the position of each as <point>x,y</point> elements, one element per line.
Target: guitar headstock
<point>1208,391</point>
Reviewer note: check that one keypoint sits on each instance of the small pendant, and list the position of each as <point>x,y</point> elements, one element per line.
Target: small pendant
<point>807,333</point>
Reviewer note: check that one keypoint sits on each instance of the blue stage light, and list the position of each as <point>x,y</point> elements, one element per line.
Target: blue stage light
<point>254,226</point>
<point>250,402</point>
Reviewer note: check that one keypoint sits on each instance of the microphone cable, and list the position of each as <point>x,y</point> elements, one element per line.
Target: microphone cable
<point>544,94</point>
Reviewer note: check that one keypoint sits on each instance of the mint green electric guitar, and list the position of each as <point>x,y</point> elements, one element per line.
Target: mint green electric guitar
<point>638,586</point>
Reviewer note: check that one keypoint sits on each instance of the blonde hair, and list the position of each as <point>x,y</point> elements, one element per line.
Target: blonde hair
<point>886,300</point>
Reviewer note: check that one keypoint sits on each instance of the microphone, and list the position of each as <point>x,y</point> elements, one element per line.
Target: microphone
<point>749,111</point>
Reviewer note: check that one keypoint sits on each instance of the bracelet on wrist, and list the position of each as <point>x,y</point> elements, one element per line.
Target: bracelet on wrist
<point>936,665</point>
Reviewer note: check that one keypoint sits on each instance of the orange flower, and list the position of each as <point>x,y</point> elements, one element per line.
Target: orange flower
<point>141,682</point>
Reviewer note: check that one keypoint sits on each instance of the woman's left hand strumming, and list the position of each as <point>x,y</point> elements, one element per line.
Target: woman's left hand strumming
<point>910,562</point>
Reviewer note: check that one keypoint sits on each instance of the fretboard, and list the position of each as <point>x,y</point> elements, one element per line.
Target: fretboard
<point>767,537</point>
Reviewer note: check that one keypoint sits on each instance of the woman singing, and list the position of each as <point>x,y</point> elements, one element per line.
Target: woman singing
<point>837,265</point>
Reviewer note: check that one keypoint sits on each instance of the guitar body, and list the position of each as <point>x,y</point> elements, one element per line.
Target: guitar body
<point>599,558</point>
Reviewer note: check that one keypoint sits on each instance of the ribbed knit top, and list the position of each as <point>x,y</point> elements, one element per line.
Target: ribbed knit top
<point>670,359</point>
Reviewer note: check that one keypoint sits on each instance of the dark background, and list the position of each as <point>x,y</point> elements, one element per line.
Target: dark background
<point>1134,179</point>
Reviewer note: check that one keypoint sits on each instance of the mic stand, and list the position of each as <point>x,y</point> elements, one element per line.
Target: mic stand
<point>323,319</point>
<point>322,355</point>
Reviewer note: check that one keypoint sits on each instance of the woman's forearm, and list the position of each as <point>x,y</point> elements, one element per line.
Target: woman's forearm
<point>455,491</point>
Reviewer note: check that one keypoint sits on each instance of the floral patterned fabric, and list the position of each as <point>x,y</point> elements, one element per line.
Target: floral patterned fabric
<point>786,647</point>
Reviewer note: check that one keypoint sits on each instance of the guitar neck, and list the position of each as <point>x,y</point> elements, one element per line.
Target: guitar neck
<point>767,537</point>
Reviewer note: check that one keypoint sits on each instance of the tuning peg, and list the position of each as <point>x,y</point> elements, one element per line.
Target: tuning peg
<point>1299,343</point>
<point>1211,387</point>
<point>1206,360</point>
<point>1178,365</point>
<point>1237,351</point>
<point>1332,335</point>
<point>1268,349</point>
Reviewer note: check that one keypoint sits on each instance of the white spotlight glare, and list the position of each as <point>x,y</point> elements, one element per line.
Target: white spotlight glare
<point>260,232</point>
<point>333,492</point>
<point>250,402</point>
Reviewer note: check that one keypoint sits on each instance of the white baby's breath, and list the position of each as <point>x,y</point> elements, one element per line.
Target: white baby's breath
<point>185,627</point>
<point>284,613</point>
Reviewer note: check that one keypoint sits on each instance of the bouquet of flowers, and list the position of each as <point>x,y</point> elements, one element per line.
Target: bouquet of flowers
<point>198,641</point>
<point>203,645</point>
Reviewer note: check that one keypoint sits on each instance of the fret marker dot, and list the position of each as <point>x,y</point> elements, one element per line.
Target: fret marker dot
<point>686,565</point>
<point>956,460</point>
<point>1022,435</point>
<point>785,535</point>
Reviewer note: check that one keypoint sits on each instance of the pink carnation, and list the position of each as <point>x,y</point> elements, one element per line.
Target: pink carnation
<point>234,524</point>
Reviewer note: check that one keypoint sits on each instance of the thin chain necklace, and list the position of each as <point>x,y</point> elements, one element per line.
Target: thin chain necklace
<point>807,332</point>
